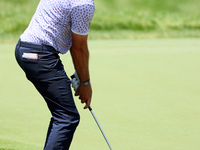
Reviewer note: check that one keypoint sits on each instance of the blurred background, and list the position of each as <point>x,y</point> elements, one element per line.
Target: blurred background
<point>116,19</point>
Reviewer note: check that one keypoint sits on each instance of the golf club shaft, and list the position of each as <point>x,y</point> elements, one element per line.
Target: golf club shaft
<point>99,126</point>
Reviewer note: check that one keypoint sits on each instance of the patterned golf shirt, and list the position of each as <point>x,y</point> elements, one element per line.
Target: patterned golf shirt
<point>55,20</point>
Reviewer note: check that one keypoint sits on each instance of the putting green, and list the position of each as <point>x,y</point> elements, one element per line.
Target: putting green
<point>145,96</point>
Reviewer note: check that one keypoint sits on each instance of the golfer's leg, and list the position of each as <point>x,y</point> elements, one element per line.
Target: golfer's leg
<point>65,116</point>
<point>51,81</point>
<point>57,93</point>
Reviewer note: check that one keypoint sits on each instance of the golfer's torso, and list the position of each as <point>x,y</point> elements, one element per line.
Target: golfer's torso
<point>52,23</point>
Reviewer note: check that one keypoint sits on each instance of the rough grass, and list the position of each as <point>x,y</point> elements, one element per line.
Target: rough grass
<point>163,18</point>
<point>148,18</point>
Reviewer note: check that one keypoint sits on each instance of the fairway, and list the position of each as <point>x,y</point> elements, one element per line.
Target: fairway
<point>145,96</point>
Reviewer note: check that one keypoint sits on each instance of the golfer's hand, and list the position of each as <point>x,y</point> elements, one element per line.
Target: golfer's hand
<point>85,94</point>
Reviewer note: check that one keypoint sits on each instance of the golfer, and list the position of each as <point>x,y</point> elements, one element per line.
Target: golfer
<point>56,27</point>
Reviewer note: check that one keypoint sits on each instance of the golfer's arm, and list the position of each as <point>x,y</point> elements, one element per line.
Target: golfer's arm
<point>80,56</point>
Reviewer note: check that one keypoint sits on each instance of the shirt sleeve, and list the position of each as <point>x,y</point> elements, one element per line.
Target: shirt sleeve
<point>81,18</point>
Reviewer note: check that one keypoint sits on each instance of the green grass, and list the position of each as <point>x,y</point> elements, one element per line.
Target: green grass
<point>146,97</point>
<point>126,19</point>
<point>146,19</point>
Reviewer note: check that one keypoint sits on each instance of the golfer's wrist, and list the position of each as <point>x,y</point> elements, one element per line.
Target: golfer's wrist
<point>85,83</point>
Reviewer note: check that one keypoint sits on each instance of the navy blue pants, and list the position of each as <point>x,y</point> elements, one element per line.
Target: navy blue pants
<point>43,67</point>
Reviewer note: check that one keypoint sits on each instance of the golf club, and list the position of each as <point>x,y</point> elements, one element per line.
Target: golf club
<point>90,108</point>
<point>75,84</point>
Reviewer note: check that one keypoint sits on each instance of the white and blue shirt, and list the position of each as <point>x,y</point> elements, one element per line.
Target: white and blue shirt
<point>55,20</point>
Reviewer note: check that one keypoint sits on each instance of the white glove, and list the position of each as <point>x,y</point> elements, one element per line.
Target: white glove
<point>75,81</point>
